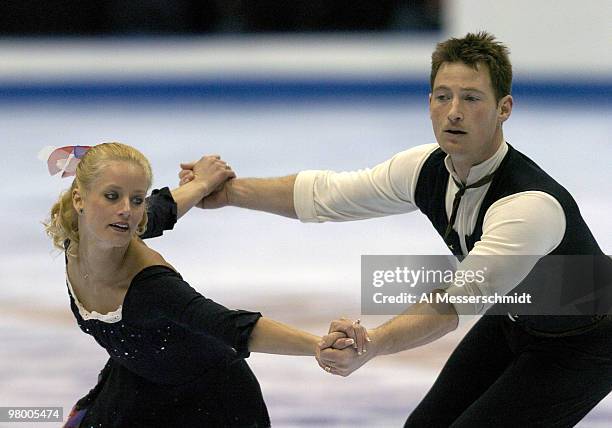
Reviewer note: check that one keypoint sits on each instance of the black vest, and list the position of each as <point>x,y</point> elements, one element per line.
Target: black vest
<point>517,173</point>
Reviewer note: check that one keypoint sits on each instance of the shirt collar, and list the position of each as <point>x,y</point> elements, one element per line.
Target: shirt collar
<point>484,168</point>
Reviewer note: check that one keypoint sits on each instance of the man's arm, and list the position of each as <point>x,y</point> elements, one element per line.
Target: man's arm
<point>318,196</point>
<point>526,225</point>
<point>273,195</point>
<point>421,324</point>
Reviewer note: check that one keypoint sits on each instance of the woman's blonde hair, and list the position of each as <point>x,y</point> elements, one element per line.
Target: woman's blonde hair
<point>62,225</point>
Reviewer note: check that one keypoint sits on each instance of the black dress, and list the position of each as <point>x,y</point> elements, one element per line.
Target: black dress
<point>176,357</point>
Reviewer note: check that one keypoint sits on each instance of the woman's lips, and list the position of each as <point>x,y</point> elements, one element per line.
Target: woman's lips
<point>121,227</point>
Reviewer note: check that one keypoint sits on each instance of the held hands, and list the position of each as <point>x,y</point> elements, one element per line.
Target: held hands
<point>344,349</point>
<point>212,173</point>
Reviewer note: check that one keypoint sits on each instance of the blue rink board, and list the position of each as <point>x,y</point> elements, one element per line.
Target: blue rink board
<point>579,90</point>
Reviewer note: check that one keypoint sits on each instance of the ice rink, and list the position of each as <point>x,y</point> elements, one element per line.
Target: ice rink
<point>301,274</point>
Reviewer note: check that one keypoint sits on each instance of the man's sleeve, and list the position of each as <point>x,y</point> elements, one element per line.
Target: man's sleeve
<point>386,189</point>
<point>527,224</point>
<point>161,213</point>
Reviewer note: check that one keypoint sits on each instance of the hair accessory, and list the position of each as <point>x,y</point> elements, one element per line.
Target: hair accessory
<point>63,160</point>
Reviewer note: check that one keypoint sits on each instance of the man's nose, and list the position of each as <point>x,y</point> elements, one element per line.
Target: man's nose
<point>455,114</point>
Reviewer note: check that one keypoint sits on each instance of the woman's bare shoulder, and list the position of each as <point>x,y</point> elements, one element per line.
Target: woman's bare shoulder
<point>143,257</point>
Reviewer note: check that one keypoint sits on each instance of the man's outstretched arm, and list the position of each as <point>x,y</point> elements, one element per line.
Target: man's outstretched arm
<point>319,196</point>
<point>421,324</point>
<point>273,195</point>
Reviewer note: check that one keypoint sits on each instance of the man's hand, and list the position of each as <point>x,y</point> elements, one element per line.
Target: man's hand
<point>336,355</point>
<point>353,330</point>
<point>339,352</point>
<point>212,173</point>
<point>217,199</point>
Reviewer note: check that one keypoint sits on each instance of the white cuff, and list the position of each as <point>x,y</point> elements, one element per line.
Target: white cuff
<point>303,197</point>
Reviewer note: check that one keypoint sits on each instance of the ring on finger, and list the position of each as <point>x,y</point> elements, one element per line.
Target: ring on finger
<point>328,369</point>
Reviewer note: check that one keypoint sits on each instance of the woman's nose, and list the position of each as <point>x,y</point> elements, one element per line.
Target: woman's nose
<point>125,208</point>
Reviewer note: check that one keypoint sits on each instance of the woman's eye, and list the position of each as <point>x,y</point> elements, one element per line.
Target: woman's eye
<point>137,201</point>
<point>111,195</point>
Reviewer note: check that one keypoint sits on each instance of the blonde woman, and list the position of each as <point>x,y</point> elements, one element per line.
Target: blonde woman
<point>176,357</point>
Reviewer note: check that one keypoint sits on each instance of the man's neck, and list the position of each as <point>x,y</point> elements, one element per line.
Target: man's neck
<point>463,164</point>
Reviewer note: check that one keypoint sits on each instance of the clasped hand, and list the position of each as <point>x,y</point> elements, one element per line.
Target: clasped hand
<point>212,172</point>
<point>345,348</point>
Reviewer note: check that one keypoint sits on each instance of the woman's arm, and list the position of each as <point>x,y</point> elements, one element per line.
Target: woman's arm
<point>272,337</point>
<point>209,174</point>
<point>187,196</point>
<point>165,207</point>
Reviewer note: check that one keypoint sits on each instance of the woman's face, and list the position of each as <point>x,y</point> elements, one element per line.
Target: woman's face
<point>114,206</point>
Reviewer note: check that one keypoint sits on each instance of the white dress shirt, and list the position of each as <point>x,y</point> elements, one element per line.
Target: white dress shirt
<point>525,223</point>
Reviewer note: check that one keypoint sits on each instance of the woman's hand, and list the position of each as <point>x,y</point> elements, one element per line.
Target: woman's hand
<point>337,354</point>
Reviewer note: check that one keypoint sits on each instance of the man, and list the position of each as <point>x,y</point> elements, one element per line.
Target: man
<point>484,198</point>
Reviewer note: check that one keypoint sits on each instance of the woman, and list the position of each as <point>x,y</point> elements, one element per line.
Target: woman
<point>176,358</point>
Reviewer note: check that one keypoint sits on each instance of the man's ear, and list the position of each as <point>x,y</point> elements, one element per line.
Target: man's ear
<point>505,108</point>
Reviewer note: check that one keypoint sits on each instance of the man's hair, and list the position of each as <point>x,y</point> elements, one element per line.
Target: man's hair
<point>473,50</point>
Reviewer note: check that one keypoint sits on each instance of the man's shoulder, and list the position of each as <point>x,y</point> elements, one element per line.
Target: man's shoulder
<point>421,151</point>
<point>413,158</point>
<point>525,174</point>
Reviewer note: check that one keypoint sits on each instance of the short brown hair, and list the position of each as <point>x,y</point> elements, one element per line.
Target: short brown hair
<point>472,50</point>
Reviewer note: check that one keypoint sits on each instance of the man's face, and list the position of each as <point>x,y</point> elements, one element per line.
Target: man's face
<point>465,117</point>
<point>115,205</point>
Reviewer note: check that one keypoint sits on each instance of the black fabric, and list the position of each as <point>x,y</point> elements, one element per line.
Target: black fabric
<point>176,357</point>
<point>430,198</point>
<point>517,173</point>
<point>161,213</point>
<point>544,371</point>
<point>502,376</point>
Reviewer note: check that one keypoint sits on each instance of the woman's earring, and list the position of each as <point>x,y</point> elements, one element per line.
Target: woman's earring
<point>81,211</point>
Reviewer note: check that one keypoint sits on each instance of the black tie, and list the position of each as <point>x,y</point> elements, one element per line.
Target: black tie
<point>459,194</point>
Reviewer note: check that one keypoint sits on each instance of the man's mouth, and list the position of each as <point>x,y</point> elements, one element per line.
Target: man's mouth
<point>455,131</point>
<point>121,227</point>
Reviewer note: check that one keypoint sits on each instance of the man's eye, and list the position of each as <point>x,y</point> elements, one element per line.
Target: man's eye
<point>470,98</point>
<point>111,195</point>
<point>442,97</point>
